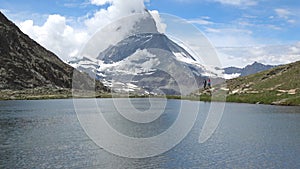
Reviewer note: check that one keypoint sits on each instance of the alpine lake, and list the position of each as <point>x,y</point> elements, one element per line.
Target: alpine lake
<point>48,134</point>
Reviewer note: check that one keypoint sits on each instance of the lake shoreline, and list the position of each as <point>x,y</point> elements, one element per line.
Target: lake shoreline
<point>67,94</point>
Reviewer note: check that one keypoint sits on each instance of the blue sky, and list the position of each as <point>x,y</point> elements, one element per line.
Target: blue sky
<point>242,30</point>
<point>264,19</point>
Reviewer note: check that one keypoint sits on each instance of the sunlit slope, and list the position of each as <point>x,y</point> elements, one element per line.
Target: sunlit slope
<point>280,85</point>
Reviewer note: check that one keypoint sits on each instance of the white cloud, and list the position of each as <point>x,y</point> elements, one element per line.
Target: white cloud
<point>117,10</point>
<point>159,24</point>
<point>226,2</point>
<point>238,2</point>
<point>100,2</point>
<point>290,16</point>
<point>212,30</point>
<point>237,45</point>
<point>295,49</point>
<point>286,14</point>
<point>200,21</point>
<point>283,13</point>
<point>229,37</point>
<point>58,35</point>
<point>274,55</point>
<point>4,11</point>
<point>229,60</point>
<point>55,35</point>
<point>292,21</point>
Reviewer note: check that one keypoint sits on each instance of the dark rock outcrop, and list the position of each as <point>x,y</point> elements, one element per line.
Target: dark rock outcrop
<point>27,65</point>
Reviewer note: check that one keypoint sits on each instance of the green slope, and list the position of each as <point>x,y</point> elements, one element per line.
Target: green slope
<point>280,85</point>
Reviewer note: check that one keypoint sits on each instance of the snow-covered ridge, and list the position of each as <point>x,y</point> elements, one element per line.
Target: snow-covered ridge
<point>129,64</point>
<point>144,62</point>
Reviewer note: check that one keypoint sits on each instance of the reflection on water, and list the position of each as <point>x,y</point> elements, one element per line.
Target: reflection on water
<point>47,134</point>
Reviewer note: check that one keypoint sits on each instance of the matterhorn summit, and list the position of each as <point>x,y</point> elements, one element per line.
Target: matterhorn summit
<point>131,55</point>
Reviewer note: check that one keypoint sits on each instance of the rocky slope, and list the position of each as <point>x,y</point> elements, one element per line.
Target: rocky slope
<point>27,65</point>
<point>280,85</point>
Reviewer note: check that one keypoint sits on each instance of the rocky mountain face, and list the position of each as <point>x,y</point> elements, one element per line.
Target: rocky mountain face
<point>130,45</point>
<point>145,62</point>
<point>27,65</point>
<point>248,70</point>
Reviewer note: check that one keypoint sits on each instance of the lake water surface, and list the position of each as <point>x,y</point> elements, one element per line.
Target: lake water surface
<point>47,134</point>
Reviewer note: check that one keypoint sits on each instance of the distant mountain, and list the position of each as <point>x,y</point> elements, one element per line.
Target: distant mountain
<point>248,70</point>
<point>279,85</point>
<point>145,62</point>
<point>27,65</point>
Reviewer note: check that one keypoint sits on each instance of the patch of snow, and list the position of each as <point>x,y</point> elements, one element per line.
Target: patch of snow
<point>210,71</point>
<point>209,74</point>
<point>74,65</point>
<point>87,66</point>
<point>101,74</point>
<point>104,66</point>
<point>130,66</point>
<point>149,73</point>
<point>231,76</point>
<point>130,85</point>
<point>182,57</point>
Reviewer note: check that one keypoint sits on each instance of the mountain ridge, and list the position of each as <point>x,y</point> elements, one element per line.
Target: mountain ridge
<point>248,69</point>
<point>279,85</point>
<point>141,42</point>
<point>27,66</point>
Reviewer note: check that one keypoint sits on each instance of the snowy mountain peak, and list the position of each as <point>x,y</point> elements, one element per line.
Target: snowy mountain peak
<point>130,45</point>
<point>119,30</point>
<point>132,56</point>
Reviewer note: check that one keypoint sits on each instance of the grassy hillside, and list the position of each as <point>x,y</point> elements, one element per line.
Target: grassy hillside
<point>280,85</point>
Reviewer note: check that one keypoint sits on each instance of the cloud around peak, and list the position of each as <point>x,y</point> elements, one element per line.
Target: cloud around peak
<point>66,40</point>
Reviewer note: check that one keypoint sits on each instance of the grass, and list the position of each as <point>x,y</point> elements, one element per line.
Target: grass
<point>265,98</point>
<point>269,86</point>
<point>271,97</point>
